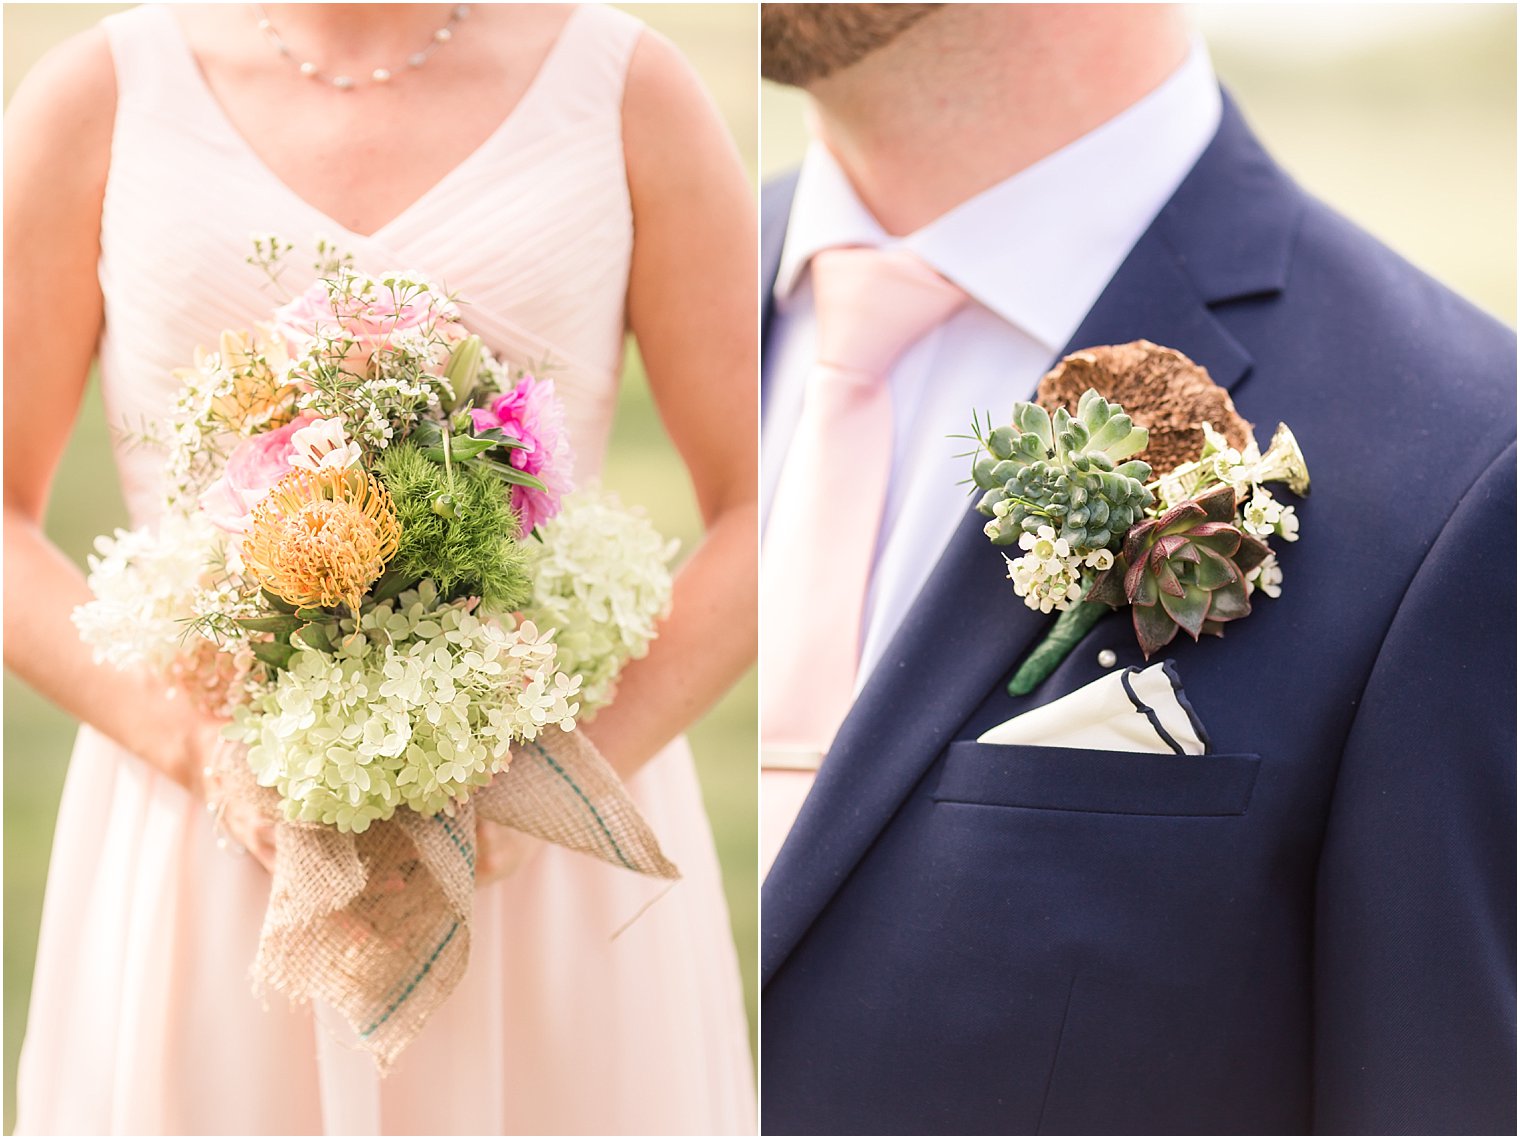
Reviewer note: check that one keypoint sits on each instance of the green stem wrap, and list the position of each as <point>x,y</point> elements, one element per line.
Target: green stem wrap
<point>1072,625</point>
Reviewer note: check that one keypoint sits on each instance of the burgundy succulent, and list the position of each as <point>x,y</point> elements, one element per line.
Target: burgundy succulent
<point>1183,570</point>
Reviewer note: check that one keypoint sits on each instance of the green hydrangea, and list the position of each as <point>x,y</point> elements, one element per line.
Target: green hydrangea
<point>420,704</point>
<point>601,578</point>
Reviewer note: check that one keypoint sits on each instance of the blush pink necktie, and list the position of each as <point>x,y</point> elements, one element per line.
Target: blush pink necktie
<point>820,541</point>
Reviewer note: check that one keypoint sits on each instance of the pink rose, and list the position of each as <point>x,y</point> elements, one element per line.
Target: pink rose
<point>370,316</point>
<point>256,464</point>
<point>531,412</point>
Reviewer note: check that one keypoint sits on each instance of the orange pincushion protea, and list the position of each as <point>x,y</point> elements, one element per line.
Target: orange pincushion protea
<point>321,537</point>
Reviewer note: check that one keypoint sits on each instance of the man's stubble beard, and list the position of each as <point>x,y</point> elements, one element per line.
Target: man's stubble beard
<point>802,43</point>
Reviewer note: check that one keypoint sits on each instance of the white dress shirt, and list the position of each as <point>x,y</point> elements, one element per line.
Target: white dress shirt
<point>1034,252</point>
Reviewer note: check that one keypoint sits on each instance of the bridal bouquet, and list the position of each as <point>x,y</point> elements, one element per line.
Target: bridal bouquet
<point>371,564</point>
<point>1132,481</point>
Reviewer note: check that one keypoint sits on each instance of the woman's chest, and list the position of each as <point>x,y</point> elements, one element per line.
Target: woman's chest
<point>360,160</point>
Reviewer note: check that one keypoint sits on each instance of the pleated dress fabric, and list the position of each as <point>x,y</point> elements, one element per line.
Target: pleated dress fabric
<point>142,1017</point>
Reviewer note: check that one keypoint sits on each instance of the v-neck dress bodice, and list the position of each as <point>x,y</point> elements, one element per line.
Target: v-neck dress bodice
<point>142,1019</point>
<point>533,230</point>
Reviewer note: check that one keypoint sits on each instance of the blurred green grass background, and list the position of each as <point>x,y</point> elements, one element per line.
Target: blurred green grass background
<point>1402,116</point>
<point>642,466</point>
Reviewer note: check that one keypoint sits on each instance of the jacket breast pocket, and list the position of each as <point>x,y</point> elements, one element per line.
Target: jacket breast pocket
<point>1105,782</point>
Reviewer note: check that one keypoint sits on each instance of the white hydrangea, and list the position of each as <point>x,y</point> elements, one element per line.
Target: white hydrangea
<point>419,705</point>
<point>601,578</point>
<point>149,585</point>
<point>1050,574</point>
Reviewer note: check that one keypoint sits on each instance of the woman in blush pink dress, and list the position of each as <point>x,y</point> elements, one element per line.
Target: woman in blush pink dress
<point>560,168</point>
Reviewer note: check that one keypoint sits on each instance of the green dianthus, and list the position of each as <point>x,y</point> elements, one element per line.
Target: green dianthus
<point>467,544</point>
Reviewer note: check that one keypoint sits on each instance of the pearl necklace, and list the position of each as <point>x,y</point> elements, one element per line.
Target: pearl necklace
<point>380,74</point>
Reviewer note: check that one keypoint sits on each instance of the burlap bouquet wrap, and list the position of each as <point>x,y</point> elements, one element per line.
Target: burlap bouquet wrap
<point>377,924</point>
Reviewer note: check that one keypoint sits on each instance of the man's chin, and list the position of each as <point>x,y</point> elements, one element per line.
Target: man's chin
<point>803,43</point>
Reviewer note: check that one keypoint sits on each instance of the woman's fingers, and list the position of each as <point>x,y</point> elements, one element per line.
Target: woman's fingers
<point>499,851</point>
<point>261,846</point>
<point>487,854</point>
<point>249,830</point>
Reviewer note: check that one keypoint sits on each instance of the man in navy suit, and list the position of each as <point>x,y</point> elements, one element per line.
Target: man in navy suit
<point>1310,929</point>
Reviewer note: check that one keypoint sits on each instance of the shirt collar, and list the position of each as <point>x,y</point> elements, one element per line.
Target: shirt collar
<point>1038,248</point>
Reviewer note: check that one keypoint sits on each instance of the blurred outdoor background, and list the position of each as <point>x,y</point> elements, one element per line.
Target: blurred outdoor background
<point>642,466</point>
<point>1402,116</point>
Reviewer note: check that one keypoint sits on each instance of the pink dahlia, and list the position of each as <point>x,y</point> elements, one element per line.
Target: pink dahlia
<point>531,412</point>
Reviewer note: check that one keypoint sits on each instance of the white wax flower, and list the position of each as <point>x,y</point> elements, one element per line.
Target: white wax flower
<point>1049,574</point>
<point>1266,577</point>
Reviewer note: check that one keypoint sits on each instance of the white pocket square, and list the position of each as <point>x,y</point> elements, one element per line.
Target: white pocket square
<point>1136,709</point>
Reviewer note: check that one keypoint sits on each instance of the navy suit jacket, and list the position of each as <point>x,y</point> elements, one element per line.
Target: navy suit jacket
<point>1309,930</point>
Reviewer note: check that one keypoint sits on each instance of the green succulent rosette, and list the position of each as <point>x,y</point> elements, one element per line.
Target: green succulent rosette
<point>1186,569</point>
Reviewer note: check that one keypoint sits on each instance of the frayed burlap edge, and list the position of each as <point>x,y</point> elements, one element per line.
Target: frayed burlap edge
<point>377,925</point>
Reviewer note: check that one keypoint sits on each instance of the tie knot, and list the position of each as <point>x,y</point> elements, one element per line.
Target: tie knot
<point>873,304</point>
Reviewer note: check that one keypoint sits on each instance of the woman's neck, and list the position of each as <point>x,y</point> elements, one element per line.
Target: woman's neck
<point>363,33</point>
<point>978,92</point>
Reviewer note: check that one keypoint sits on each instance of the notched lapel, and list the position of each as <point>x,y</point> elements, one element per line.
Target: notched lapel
<point>1151,298</point>
<point>966,630</point>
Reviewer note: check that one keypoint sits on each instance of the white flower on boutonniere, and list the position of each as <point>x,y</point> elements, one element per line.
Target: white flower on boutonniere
<point>1050,574</point>
<point>1266,577</point>
<point>1161,508</point>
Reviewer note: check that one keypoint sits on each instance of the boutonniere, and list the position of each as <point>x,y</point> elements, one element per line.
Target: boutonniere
<point>1132,482</point>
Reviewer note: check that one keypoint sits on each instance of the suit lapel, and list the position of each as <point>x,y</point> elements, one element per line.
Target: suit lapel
<point>775,205</point>
<point>1226,234</point>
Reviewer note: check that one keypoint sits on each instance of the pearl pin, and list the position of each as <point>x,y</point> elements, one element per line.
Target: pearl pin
<point>1108,658</point>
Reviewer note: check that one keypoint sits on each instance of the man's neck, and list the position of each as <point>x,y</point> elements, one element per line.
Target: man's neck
<point>977,92</point>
